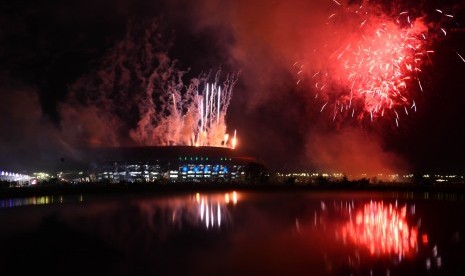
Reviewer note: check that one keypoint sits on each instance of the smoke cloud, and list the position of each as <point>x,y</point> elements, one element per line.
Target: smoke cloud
<point>353,153</point>
<point>30,140</point>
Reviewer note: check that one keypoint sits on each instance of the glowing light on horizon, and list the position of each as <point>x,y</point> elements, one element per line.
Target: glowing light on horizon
<point>382,229</point>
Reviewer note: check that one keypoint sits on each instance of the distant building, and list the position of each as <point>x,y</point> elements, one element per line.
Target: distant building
<point>18,178</point>
<point>173,164</point>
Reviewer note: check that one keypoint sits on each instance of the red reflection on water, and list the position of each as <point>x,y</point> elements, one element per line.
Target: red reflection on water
<point>383,229</point>
<point>424,238</point>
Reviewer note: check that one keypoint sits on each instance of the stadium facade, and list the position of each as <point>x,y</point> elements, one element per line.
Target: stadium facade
<point>174,164</point>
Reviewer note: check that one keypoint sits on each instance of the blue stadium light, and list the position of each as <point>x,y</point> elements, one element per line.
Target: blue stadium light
<point>185,169</point>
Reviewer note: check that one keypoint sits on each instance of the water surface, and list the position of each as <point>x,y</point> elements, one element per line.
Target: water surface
<point>235,233</point>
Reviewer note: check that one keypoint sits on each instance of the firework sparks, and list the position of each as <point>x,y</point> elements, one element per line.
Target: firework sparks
<point>211,110</point>
<point>194,117</point>
<point>460,57</point>
<point>374,70</point>
<point>234,140</point>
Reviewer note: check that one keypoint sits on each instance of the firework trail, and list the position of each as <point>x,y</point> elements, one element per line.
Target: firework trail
<point>460,56</point>
<point>138,93</point>
<point>212,107</point>
<point>192,116</point>
<point>374,68</point>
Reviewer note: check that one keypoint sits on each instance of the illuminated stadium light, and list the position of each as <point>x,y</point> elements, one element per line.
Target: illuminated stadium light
<point>174,163</point>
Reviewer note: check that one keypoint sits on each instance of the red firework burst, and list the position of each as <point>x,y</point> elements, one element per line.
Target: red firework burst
<point>374,68</point>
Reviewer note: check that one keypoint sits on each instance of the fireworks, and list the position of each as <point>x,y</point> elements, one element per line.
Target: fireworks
<point>460,56</point>
<point>137,93</point>
<point>194,117</point>
<point>212,107</point>
<point>374,65</point>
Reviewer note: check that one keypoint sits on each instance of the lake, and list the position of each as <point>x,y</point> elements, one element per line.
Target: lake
<point>235,233</point>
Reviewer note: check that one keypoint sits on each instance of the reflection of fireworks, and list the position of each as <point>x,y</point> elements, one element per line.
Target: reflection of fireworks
<point>203,210</point>
<point>212,210</point>
<point>372,70</point>
<point>382,229</point>
<point>162,218</point>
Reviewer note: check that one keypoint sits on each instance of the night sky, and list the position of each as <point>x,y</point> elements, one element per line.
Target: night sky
<point>48,49</point>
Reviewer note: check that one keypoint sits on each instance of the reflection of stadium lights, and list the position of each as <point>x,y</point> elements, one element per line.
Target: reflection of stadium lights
<point>234,198</point>
<point>211,209</point>
<point>383,229</point>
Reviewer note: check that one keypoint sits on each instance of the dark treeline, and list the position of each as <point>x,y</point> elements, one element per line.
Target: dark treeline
<point>162,187</point>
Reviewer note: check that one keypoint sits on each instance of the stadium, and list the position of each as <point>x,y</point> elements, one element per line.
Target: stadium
<point>174,164</point>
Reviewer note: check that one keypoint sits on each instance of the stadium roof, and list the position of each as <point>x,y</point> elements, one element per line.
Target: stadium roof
<point>152,153</point>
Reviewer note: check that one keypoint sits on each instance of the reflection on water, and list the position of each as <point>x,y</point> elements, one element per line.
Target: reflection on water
<point>197,210</point>
<point>38,200</point>
<point>381,234</point>
<point>206,210</point>
<point>383,229</point>
<point>230,233</point>
<point>212,208</point>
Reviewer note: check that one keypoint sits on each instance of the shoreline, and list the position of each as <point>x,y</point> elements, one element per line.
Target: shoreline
<point>178,188</point>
